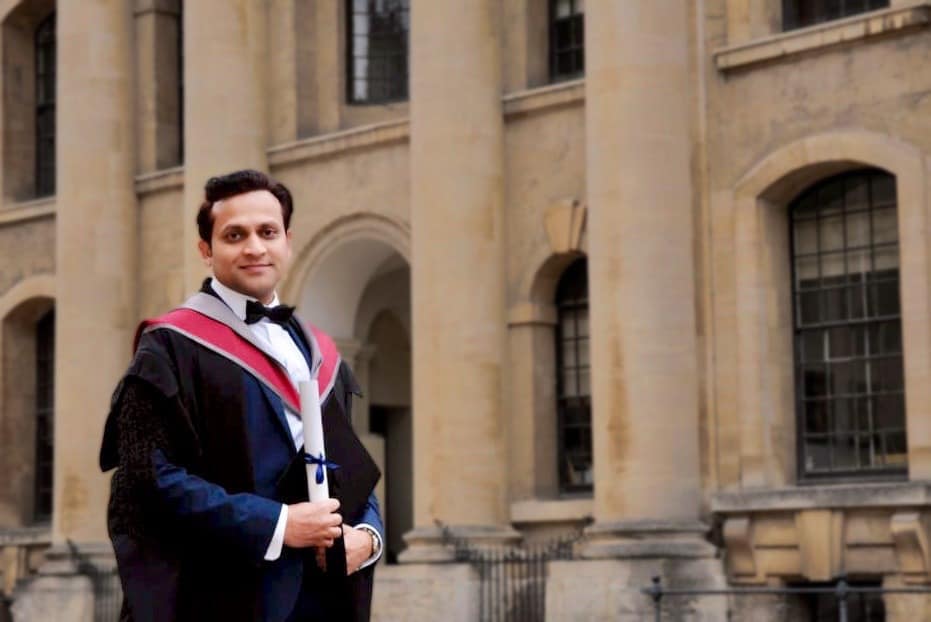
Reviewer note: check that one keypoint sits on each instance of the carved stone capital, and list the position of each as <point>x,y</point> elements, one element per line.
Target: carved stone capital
<point>565,223</point>
<point>911,533</point>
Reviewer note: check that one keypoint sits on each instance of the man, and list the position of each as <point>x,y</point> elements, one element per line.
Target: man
<point>208,512</point>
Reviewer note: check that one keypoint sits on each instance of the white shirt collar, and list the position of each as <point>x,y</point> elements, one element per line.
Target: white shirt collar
<point>235,300</point>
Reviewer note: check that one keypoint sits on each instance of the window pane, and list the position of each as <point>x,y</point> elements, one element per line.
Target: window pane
<point>832,233</point>
<point>378,47</point>
<point>883,190</point>
<point>833,265</point>
<point>807,271</point>
<point>584,382</point>
<point>568,353</point>
<point>801,13</point>
<point>885,226</point>
<point>812,344</point>
<point>886,338</point>
<point>814,380</point>
<point>845,452</point>
<point>817,454</point>
<point>809,307</point>
<point>848,341</point>
<point>858,194</point>
<point>566,39</point>
<point>858,229</point>
<point>45,107</point>
<point>848,377</point>
<point>806,237</point>
<point>844,412</point>
<point>816,417</point>
<point>888,412</point>
<point>574,406</point>
<point>834,303</point>
<point>583,352</point>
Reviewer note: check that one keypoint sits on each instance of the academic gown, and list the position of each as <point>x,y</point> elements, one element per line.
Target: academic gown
<point>204,458</point>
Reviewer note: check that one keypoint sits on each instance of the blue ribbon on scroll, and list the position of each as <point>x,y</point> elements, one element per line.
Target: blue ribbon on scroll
<point>321,462</point>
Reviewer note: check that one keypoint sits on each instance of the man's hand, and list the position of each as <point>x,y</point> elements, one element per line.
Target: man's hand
<point>312,523</point>
<point>358,547</point>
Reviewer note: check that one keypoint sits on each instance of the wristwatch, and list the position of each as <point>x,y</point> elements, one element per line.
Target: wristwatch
<point>376,539</point>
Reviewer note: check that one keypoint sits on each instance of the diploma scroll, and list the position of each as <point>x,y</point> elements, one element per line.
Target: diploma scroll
<point>318,487</point>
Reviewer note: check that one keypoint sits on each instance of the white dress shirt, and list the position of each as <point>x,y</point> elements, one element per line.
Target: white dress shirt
<point>286,352</point>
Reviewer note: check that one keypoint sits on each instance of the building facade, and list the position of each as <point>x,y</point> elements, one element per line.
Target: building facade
<point>655,273</point>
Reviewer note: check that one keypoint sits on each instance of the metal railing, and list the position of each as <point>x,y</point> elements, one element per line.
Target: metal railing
<point>843,593</point>
<point>108,591</point>
<point>512,578</point>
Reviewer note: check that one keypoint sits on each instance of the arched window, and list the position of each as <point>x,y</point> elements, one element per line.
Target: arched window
<point>377,50</point>
<point>45,106</point>
<point>573,380</point>
<point>850,392</point>
<point>567,39</point>
<point>45,409</point>
<point>801,13</point>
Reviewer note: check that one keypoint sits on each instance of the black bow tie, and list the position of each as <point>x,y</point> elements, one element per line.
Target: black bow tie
<point>255,311</point>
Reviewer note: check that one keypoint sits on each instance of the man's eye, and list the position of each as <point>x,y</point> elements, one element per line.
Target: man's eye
<point>270,233</point>
<point>233,236</point>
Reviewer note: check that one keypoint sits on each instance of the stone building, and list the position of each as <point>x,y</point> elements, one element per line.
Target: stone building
<point>654,287</point>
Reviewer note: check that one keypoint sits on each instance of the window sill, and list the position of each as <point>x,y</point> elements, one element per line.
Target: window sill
<point>824,36</point>
<point>544,98</point>
<point>552,510</point>
<point>26,536</point>
<point>160,181</point>
<point>27,210</point>
<point>337,143</point>
<point>892,494</point>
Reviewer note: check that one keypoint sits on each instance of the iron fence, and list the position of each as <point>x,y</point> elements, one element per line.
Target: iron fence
<point>108,591</point>
<point>840,602</point>
<point>512,578</point>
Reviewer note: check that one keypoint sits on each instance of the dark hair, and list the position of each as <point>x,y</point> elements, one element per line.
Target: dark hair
<point>239,182</point>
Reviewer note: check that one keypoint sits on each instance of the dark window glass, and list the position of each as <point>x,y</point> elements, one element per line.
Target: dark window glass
<point>801,13</point>
<point>45,107</point>
<point>567,39</point>
<point>850,385</point>
<point>45,420</point>
<point>377,44</point>
<point>861,606</point>
<point>573,380</point>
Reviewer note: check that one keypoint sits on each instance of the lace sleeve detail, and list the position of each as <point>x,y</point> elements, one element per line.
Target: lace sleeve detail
<point>140,431</point>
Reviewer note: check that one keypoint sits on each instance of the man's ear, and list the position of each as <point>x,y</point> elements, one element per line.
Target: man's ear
<point>205,253</point>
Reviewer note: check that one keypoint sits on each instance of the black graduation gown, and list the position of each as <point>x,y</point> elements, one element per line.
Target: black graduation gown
<point>188,401</point>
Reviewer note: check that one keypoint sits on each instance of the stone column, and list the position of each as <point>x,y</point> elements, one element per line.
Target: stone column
<point>457,273</point>
<point>225,117</point>
<point>641,278</point>
<point>96,246</point>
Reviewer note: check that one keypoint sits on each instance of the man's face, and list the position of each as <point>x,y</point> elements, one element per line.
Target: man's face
<point>249,249</point>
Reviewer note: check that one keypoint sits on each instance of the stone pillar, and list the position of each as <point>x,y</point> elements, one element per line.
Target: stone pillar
<point>641,278</point>
<point>225,116</point>
<point>457,273</point>
<point>96,246</point>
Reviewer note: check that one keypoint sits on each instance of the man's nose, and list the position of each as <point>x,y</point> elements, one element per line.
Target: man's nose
<point>254,245</point>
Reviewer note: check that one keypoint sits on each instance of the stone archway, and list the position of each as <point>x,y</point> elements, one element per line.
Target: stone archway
<point>356,287</point>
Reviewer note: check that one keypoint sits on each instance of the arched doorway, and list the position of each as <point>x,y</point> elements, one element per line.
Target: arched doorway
<point>359,292</point>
